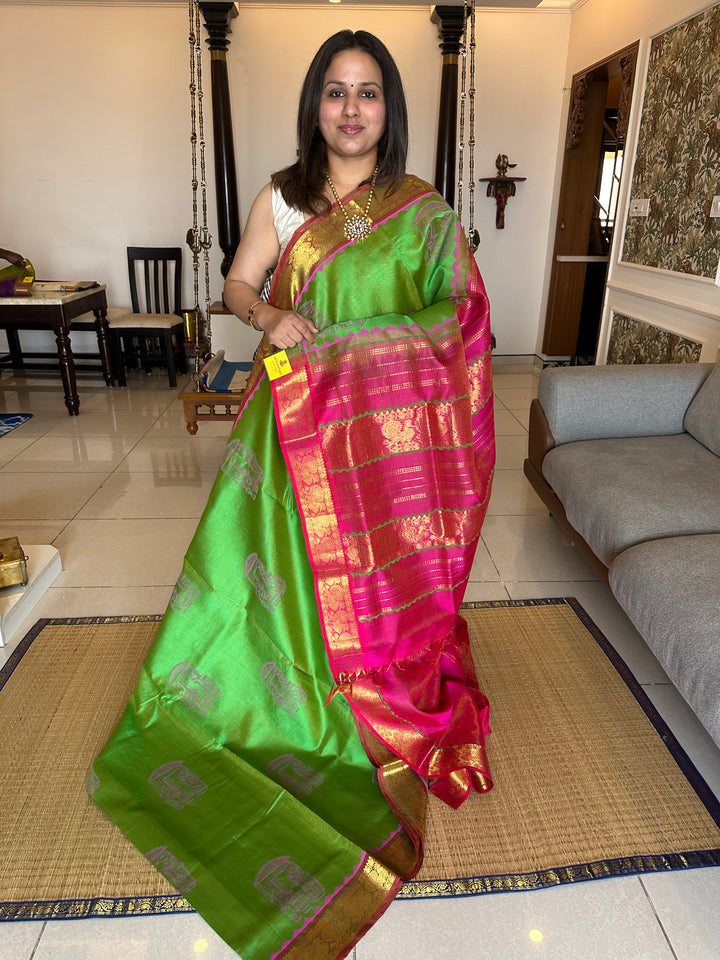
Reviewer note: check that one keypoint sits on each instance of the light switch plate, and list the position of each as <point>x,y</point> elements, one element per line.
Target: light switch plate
<point>640,208</point>
<point>715,207</point>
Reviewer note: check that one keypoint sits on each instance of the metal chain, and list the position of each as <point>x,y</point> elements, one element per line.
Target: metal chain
<point>463,84</point>
<point>205,238</point>
<point>473,235</point>
<point>467,95</point>
<point>198,237</point>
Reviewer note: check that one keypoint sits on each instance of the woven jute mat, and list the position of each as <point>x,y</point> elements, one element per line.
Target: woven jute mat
<point>588,782</point>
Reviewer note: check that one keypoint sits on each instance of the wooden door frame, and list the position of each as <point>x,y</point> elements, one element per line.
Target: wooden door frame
<point>583,140</point>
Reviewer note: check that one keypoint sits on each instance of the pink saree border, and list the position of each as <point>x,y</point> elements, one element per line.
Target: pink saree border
<point>348,638</point>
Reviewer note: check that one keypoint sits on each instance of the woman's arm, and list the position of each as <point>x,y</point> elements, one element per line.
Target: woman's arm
<point>258,250</point>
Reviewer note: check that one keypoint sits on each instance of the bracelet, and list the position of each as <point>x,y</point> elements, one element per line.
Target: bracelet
<point>251,316</point>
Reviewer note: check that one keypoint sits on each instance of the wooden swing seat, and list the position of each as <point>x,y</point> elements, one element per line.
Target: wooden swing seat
<point>199,407</point>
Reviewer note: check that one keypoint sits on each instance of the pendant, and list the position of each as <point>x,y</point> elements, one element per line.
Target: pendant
<point>357,227</point>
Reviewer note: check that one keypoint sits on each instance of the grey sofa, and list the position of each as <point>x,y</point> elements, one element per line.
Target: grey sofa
<point>627,460</point>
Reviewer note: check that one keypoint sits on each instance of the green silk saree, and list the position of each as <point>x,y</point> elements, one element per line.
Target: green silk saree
<point>311,677</point>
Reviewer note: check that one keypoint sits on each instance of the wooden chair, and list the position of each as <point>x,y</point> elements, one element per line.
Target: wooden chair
<point>160,270</point>
<point>155,275</point>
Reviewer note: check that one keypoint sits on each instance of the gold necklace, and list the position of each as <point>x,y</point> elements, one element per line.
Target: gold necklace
<point>358,226</point>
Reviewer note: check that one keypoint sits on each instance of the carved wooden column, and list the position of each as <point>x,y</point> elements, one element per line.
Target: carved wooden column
<point>217,23</point>
<point>450,21</point>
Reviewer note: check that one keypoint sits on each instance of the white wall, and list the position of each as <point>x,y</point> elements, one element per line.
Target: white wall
<point>95,153</point>
<point>99,156</point>
<point>600,27</point>
<point>519,107</point>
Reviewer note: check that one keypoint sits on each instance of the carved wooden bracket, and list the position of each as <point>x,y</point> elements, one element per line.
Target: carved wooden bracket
<point>627,67</point>
<point>576,121</point>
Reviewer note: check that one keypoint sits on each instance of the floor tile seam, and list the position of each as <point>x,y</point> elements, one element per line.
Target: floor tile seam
<point>137,471</point>
<point>492,560</point>
<point>69,473</point>
<point>75,520</point>
<point>495,583</point>
<point>59,534</point>
<point>33,952</point>
<point>24,450</point>
<point>525,429</point>
<point>157,418</point>
<point>121,462</point>
<point>139,518</point>
<point>515,512</point>
<point>137,440</point>
<point>548,580</point>
<point>659,922</point>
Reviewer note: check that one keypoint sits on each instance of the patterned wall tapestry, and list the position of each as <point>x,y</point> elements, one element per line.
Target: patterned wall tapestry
<point>633,341</point>
<point>678,156</point>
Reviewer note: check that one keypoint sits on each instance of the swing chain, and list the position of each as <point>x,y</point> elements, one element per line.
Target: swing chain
<point>467,96</point>
<point>198,238</point>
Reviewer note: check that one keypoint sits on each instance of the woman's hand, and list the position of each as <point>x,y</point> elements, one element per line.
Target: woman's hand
<point>258,250</point>
<point>283,328</point>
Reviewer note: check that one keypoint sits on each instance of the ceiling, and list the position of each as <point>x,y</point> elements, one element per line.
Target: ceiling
<point>493,4</point>
<point>415,3</point>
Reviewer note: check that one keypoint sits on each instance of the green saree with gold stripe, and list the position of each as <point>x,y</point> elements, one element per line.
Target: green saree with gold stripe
<point>311,678</point>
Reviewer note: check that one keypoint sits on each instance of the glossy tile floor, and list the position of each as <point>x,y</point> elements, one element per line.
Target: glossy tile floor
<point>119,489</point>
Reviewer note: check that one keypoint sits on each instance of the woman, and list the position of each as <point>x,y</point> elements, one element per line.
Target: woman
<point>312,674</point>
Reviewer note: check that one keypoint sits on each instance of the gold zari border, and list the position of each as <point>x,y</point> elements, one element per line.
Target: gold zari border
<point>94,908</point>
<point>406,795</point>
<point>316,503</point>
<point>540,879</point>
<point>336,930</point>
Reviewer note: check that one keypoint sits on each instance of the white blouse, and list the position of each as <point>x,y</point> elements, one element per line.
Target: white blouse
<point>286,219</point>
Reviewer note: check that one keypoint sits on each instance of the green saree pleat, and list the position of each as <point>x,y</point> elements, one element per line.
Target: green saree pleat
<point>215,768</point>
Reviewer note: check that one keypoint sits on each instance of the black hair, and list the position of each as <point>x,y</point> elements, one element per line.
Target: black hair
<point>303,183</point>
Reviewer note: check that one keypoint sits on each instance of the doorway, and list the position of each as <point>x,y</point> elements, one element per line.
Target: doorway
<point>592,171</point>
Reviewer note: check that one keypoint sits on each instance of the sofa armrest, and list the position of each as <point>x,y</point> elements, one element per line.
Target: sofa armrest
<point>592,403</point>
<point>540,438</point>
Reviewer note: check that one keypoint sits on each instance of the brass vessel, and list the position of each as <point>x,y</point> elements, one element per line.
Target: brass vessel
<point>13,563</point>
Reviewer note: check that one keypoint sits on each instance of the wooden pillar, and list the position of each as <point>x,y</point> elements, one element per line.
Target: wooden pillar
<point>451,22</point>
<point>217,23</point>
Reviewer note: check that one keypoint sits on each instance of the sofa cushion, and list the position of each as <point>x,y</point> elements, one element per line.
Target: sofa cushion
<point>702,419</point>
<point>669,589</point>
<point>598,402</point>
<point>620,492</point>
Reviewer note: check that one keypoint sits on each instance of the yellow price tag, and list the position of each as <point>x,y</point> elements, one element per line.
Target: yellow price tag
<point>277,365</point>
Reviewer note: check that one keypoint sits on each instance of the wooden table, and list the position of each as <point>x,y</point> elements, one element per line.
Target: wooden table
<point>55,310</point>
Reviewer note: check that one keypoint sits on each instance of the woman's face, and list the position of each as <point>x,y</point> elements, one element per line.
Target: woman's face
<point>352,105</point>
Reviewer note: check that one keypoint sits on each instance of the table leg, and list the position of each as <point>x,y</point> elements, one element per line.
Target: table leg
<point>14,347</point>
<point>103,339</point>
<point>67,369</point>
